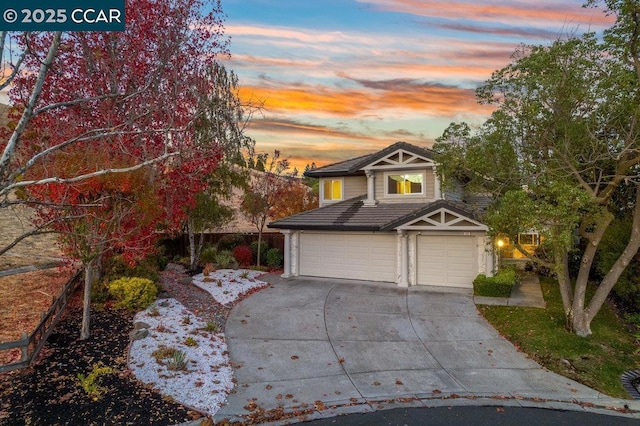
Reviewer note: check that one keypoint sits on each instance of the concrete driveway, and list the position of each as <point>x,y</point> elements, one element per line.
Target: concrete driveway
<point>357,346</point>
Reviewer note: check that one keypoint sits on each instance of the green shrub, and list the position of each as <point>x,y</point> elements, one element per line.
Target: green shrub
<point>264,247</point>
<point>211,327</point>
<point>133,293</point>
<point>208,255</point>
<point>91,382</point>
<point>99,292</point>
<point>116,267</point>
<point>190,341</point>
<point>231,241</point>
<point>274,258</point>
<point>499,285</point>
<point>162,353</point>
<point>225,259</point>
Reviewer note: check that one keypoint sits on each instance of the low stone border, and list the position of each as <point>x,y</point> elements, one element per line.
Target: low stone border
<point>628,378</point>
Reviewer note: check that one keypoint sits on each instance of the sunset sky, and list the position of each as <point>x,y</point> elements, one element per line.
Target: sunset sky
<point>341,78</point>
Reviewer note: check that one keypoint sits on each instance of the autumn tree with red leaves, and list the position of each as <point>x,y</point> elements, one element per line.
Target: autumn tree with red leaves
<point>103,128</point>
<point>293,197</point>
<point>263,191</point>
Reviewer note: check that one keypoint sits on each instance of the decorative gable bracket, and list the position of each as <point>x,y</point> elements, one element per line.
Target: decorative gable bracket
<point>400,159</point>
<point>443,219</point>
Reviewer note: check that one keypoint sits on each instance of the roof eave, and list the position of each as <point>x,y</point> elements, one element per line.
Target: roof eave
<point>314,174</point>
<point>299,227</point>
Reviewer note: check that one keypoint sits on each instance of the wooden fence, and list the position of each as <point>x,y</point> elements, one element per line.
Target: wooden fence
<point>31,344</point>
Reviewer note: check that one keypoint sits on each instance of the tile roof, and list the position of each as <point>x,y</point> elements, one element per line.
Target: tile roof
<point>352,215</point>
<point>354,166</point>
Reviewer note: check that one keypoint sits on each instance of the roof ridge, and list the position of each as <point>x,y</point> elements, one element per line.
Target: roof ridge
<point>338,163</point>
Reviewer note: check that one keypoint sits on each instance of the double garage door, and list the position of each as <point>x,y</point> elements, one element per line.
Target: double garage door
<point>449,260</point>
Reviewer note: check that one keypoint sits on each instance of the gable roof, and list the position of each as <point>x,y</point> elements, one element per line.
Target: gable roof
<point>352,215</point>
<point>354,166</point>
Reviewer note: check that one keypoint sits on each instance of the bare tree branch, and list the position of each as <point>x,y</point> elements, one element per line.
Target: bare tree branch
<point>15,68</point>
<point>93,174</point>
<point>10,148</point>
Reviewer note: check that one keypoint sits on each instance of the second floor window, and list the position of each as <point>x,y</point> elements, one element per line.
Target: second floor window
<point>332,190</point>
<point>404,184</point>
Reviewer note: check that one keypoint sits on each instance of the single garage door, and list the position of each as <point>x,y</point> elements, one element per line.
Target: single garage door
<point>358,256</point>
<point>450,261</point>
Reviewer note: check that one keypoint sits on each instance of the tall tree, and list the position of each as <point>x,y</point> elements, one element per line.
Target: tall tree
<point>221,124</point>
<point>123,102</point>
<point>262,193</point>
<point>563,141</point>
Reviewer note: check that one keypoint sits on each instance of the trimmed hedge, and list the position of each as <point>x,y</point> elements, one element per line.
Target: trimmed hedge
<point>499,285</point>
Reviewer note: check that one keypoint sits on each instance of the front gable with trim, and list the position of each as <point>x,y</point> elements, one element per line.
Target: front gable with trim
<point>443,219</point>
<point>400,159</point>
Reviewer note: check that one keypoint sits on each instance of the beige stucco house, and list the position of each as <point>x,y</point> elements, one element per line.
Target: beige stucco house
<point>384,217</point>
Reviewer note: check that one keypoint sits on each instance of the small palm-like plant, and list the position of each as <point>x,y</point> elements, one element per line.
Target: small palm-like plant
<point>178,361</point>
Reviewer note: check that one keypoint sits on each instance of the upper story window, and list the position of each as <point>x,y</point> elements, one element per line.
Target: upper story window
<point>404,184</point>
<point>332,190</point>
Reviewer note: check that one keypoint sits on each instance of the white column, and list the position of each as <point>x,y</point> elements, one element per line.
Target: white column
<point>295,253</point>
<point>287,253</point>
<point>371,189</point>
<point>404,259</point>
<point>438,190</point>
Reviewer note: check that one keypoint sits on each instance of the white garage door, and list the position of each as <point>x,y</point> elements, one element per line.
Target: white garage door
<point>356,256</point>
<point>450,261</point>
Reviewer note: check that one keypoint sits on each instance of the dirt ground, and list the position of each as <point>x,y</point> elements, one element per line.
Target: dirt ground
<point>36,250</point>
<point>24,296</point>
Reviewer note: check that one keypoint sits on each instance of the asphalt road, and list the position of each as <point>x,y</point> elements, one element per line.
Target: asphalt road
<point>494,416</point>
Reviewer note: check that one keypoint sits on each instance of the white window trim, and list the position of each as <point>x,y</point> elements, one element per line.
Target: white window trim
<point>322,181</point>
<point>408,172</point>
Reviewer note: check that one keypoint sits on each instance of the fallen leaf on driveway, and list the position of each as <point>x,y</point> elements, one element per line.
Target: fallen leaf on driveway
<point>319,405</point>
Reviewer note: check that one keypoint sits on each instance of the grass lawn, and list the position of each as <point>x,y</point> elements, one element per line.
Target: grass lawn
<point>596,361</point>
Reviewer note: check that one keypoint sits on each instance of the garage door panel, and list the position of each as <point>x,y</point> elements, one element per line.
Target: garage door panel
<point>447,261</point>
<point>352,256</point>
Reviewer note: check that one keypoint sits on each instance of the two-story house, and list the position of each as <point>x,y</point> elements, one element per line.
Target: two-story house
<point>384,217</point>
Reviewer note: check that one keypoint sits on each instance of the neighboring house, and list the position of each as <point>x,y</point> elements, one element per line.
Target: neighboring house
<point>529,241</point>
<point>384,217</point>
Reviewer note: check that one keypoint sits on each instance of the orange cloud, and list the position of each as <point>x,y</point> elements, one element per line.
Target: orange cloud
<point>511,12</point>
<point>374,98</point>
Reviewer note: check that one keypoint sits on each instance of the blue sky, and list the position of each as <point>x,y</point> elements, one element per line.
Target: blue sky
<point>341,78</point>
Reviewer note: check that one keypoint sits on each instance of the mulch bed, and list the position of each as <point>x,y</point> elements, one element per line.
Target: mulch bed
<point>49,393</point>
